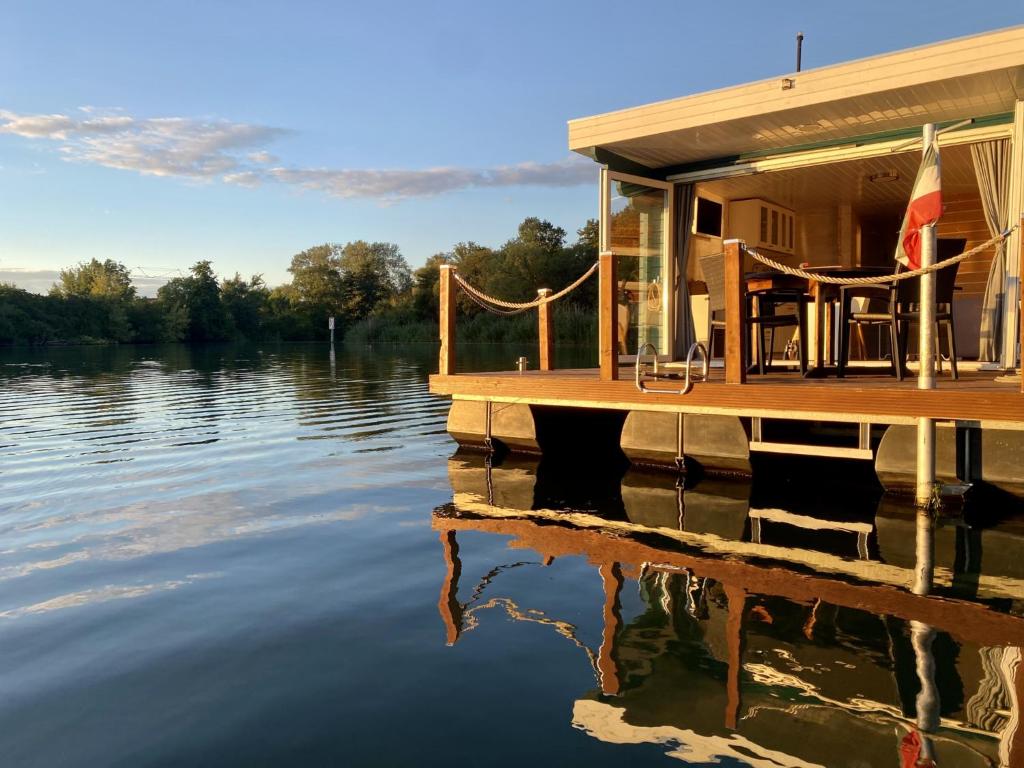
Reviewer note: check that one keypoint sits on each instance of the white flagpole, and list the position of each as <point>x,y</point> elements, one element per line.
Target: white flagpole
<point>926,352</point>
<point>926,338</point>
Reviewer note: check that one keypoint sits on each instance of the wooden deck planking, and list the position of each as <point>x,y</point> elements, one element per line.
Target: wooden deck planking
<point>881,399</point>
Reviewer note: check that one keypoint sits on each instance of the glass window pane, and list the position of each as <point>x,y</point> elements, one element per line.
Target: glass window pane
<point>638,237</point>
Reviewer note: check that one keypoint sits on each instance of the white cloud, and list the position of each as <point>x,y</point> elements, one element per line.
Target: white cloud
<point>36,126</point>
<point>41,280</point>
<point>165,146</point>
<point>235,153</point>
<point>399,184</point>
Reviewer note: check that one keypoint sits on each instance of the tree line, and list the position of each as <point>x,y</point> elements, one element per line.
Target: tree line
<point>368,287</point>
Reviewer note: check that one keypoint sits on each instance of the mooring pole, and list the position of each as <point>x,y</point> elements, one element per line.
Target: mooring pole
<point>926,353</point>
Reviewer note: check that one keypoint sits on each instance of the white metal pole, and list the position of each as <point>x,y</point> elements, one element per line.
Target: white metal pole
<point>926,354</point>
<point>925,461</point>
<point>926,343</point>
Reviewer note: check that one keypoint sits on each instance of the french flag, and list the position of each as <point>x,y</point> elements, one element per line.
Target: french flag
<point>925,208</point>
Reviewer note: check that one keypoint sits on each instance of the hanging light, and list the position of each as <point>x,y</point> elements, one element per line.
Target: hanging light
<point>884,177</point>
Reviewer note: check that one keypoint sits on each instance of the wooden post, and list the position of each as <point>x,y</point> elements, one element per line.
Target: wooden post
<point>446,364</point>
<point>607,658</point>
<point>546,331</point>
<point>735,326</point>
<point>449,606</point>
<point>608,317</point>
<point>1020,274</point>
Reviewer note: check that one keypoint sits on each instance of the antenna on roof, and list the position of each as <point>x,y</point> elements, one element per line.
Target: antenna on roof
<point>799,48</point>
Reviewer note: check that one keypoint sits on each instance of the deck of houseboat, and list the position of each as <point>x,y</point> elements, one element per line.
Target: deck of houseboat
<point>978,396</point>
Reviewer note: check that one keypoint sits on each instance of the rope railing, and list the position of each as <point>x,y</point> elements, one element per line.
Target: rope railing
<point>502,307</point>
<point>451,281</point>
<point>877,279</point>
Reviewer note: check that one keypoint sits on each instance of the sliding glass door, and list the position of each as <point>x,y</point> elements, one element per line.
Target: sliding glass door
<point>636,224</point>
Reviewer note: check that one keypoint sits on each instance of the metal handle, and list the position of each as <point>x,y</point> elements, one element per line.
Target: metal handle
<point>688,382</point>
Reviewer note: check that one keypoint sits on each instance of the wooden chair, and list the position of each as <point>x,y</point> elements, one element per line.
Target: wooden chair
<point>767,318</point>
<point>903,309</point>
<point>871,315</point>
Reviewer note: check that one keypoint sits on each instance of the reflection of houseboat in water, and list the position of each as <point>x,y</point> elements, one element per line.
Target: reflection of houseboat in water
<point>860,637</point>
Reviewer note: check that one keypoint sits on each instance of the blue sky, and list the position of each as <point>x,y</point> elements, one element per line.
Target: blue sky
<point>159,133</point>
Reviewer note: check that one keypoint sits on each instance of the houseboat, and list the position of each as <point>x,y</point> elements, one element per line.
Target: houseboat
<point>739,225</point>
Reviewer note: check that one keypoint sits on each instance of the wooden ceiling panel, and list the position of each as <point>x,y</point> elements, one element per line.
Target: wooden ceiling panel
<point>826,186</point>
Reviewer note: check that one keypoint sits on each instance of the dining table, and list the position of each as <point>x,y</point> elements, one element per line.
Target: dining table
<point>825,296</point>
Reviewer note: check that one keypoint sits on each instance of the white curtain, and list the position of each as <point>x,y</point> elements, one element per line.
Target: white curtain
<point>992,169</point>
<point>685,333</point>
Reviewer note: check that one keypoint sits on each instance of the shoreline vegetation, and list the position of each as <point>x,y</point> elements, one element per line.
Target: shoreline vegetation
<point>368,288</point>
<point>574,325</point>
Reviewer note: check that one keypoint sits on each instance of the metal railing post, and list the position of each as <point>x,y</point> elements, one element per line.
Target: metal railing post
<point>545,331</point>
<point>446,321</point>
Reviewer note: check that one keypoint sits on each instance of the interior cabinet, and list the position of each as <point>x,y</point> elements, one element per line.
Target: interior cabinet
<point>763,225</point>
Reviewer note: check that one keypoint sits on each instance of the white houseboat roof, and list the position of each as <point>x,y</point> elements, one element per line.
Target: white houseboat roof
<point>976,76</point>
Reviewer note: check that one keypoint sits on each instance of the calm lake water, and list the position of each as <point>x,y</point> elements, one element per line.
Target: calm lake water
<point>236,556</point>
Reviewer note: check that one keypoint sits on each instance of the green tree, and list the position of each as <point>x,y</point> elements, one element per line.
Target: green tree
<point>588,237</point>
<point>99,294</point>
<point>531,260</point>
<point>372,274</point>
<point>316,278</point>
<point>478,265</point>
<point>146,318</point>
<point>98,279</point>
<point>198,297</point>
<point>246,303</point>
<point>288,318</point>
<point>576,260</point>
<point>542,234</point>
<point>26,318</point>
<point>426,287</point>
<point>174,322</point>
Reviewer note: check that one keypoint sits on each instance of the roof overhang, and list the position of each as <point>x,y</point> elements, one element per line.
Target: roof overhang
<point>972,76</point>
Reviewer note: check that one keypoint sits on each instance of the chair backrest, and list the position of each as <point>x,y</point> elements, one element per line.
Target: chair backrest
<point>945,279</point>
<point>909,291</point>
<point>713,268</point>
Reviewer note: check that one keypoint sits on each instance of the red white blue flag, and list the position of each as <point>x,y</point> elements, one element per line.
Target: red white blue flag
<point>925,208</point>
